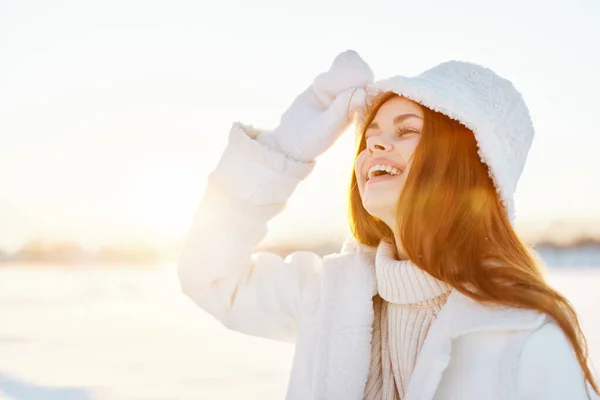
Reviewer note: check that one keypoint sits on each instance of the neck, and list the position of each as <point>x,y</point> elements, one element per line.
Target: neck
<point>400,254</point>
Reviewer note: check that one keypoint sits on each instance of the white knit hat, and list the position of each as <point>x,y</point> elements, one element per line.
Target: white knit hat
<point>484,102</point>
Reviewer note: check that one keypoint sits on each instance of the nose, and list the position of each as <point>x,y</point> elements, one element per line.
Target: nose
<point>378,143</point>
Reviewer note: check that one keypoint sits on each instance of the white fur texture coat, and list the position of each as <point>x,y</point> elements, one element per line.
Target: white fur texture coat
<point>324,305</point>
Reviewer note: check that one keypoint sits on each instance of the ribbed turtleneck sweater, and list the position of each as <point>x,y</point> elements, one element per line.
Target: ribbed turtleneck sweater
<point>408,301</point>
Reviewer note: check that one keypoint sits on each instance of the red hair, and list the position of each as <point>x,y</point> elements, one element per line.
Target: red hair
<point>453,225</point>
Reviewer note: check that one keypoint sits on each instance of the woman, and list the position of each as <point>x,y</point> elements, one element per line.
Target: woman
<point>436,298</point>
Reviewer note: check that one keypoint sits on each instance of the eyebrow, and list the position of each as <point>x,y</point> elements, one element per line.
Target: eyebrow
<point>397,120</point>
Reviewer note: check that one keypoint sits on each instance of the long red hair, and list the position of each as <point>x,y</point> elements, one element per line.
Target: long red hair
<point>453,225</point>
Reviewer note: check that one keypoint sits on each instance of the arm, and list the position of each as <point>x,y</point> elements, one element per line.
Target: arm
<point>549,369</point>
<point>260,293</point>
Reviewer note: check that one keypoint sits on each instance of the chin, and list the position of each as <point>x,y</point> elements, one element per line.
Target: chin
<point>378,210</point>
<point>380,200</point>
<point>381,205</point>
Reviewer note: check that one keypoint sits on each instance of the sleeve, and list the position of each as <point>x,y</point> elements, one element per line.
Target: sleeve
<point>258,294</point>
<point>549,369</point>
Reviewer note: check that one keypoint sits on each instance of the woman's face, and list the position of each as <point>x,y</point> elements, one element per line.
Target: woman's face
<point>382,167</point>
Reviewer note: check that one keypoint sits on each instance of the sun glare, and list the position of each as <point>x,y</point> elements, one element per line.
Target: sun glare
<point>163,200</point>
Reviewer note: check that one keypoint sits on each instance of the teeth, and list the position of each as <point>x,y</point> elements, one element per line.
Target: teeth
<point>387,168</point>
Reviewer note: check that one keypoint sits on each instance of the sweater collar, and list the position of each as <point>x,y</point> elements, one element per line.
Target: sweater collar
<point>401,281</point>
<point>342,374</point>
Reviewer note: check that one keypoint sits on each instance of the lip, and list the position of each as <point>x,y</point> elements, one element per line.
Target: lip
<point>381,178</point>
<point>381,161</point>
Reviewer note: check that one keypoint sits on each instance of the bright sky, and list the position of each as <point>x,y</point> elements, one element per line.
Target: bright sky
<point>112,113</point>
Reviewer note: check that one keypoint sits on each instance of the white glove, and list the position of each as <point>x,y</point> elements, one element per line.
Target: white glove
<point>322,112</point>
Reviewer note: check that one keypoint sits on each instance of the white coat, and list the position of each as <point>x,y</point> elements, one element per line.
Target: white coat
<point>324,305</point>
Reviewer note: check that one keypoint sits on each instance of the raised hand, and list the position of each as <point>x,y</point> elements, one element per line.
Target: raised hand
<point>319,115</point>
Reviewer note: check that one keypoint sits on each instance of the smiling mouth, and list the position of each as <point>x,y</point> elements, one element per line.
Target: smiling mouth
<point>382,172</point>
<point>381,178</point>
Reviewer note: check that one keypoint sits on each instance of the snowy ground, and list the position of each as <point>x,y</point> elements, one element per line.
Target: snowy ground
<point>129,334</point>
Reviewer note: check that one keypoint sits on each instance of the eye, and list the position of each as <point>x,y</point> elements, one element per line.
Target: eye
<point>407,130</point>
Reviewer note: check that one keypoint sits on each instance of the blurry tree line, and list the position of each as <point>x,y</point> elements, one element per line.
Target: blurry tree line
<point>69,252</point>
<point>72,253</point>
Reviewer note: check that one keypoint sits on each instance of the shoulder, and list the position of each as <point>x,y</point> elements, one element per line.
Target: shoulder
<point>548,367</point>
<point>351,245</point>
<point>352,269</point>
<point>548,345</point>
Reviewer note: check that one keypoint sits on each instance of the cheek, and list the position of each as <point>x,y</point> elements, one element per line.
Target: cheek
<point>358,167</point>
<point>407,148</point>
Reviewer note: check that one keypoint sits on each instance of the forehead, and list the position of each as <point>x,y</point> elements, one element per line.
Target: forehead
<point>397,106</point>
